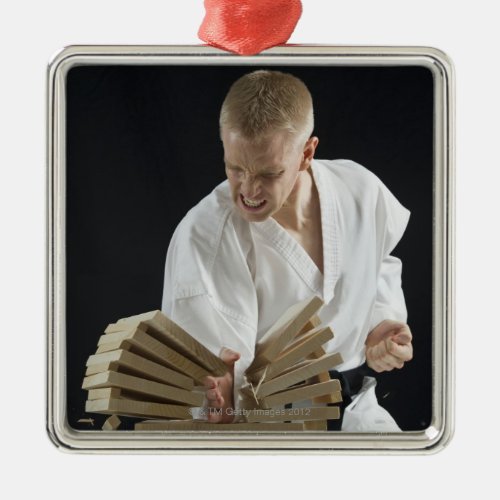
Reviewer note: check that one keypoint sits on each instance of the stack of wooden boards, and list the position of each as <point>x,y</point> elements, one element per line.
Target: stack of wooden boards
<point>291,366</point>
<point>147,366</point>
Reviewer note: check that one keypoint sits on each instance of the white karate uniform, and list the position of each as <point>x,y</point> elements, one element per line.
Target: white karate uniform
<point>228,280</point>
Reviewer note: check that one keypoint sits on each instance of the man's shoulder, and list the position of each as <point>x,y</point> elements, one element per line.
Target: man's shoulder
<point>350,177</point>
<point>203,221</point>
<point>207,225</point>
<point>361,187</point>
<point>207,243</point>
<point>348,171</point>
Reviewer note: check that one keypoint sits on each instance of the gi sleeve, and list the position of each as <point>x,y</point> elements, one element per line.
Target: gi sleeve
<point>391,221</point>
<point>212,297</point>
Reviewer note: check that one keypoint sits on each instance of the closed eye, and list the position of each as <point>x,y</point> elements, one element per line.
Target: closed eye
<point>234,170</point>
<point>271,175</point>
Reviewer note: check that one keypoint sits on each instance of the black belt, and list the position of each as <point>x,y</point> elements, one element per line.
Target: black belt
<point>351,382</point>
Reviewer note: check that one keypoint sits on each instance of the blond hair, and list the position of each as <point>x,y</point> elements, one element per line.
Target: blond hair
<point>265,101</point>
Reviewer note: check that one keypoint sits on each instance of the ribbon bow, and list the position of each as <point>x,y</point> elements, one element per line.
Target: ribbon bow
<point>249,26</point>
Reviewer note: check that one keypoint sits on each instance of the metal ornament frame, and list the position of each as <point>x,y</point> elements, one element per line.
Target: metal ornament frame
<point>430,440</point>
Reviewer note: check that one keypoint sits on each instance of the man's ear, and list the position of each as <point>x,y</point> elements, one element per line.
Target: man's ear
<point>308,153</point>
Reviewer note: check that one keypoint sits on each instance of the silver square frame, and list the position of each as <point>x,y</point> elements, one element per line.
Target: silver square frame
<point>430,440</point>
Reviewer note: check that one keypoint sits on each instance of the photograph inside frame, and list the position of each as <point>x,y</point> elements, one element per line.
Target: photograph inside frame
<point>249,247</point>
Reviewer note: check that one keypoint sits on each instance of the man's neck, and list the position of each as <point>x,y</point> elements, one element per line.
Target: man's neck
<point>302,204</point>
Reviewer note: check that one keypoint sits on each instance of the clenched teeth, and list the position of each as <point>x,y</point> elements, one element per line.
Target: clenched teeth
<point>252,204</point>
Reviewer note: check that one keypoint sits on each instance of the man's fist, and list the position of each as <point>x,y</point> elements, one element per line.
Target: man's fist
<point>219,394</point>
<point>388,346</point>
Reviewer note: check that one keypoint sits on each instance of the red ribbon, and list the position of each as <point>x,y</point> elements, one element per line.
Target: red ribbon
<point>249,26</point>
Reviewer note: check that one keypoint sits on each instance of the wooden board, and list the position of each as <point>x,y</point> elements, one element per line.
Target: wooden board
<point>318,353</point>
<point>150,348</point>
<point>117,336</point>
<point>113,346</point>
<point>302,393</point>
<point>104,367</point>
<point>296,351</point>
<point>247,393</point>
<point>247,403</point>
<point>131,408</point>
<point>300,364</point>
<point>139,365</point>
<point>284,414</point>
<point>159,326</point>
<point>146,387</point>
<point>105,393</point>
<point>321,377</point>
<point>283,331</point>
<point>327,398</point>
<point>111,424</point>
<point>200,425</point>
<point>313,323</point>
<point>300,374</point>
<point>316,425</point>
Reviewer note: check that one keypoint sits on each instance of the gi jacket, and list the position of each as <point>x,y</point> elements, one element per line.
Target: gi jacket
<point>228,280</point>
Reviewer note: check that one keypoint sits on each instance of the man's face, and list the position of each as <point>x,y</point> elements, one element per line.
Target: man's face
<point>262,174</point>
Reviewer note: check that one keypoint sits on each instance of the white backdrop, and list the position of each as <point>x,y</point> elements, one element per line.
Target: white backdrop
<point>30,33</point>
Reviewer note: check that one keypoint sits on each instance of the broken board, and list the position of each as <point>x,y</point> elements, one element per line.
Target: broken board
<point>111,424</point>
<point>152,349</point>
<point>302,393</point>
<point>140,365</point>
<point>296,351</point>
<point>321,377</point>
<point>146,387</point>
<point>300,374</point>
<point>131,408</point>
<point>159,326</point>
<point>283,331</point>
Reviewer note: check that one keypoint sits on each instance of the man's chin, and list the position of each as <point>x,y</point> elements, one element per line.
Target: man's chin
<point>254,216</point>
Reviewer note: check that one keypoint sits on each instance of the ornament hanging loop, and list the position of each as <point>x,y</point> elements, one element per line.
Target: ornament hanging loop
<point>248,27</point>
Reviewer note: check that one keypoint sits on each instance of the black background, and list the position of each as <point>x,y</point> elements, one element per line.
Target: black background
<point>143,147</point>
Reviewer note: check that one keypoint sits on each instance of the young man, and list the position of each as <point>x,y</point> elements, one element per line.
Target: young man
<point>282,228</point>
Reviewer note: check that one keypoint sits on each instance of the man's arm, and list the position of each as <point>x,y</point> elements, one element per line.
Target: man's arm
<point>388,344</point>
